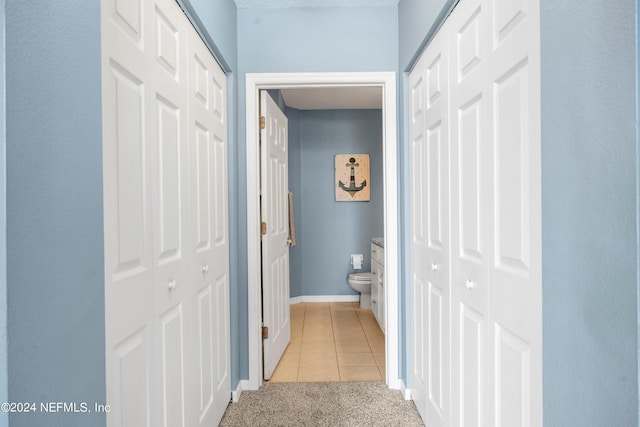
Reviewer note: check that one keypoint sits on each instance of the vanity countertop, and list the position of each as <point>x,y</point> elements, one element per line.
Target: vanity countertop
<point>379,241</point>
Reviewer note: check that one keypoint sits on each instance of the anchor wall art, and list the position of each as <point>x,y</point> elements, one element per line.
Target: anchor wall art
<point>352,178</point>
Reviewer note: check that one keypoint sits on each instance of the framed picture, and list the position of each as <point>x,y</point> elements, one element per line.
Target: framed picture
<point>352,178</point>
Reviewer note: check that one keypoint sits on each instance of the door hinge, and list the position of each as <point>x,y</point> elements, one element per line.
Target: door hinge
<point>265,332</point>
<point>263,122</point>
<point>263,228</point>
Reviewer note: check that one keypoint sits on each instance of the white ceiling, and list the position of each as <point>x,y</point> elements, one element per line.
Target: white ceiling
<point>246,4</point>
<point>334,98</point>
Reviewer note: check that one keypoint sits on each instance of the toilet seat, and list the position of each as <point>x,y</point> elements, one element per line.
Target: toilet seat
<point>360,277</point>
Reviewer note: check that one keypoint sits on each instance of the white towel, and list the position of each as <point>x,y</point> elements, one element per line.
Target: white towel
<point>292,228</point>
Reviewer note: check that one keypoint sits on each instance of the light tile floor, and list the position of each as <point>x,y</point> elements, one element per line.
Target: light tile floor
<point>332,342</point>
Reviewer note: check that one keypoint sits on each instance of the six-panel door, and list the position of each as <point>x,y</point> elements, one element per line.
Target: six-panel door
<point>495,272</point>
<point>166,244</point>
<point>274,184</point>
<point>430,244</point>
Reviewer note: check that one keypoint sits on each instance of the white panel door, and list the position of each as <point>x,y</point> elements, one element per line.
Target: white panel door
<point>471,209</point>
<point>496,275</point>
<point>209,230</point>
<point>127,211</point>
<point>430,247</point>
<point>495,272</point>
<point>437,220</point>
<point>173,288</point>
<point>166,225</point>
<point>418,233</point>
<point>275,247</point>
<point>515,270</point>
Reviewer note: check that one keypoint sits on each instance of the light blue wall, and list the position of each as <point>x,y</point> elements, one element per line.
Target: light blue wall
<point>4,380</point>
<point>589,213</point>
<point>217,19</point>
<point>317,39</point>
<point>331,230</point>
<point>418,21</point>
<point>295,186</point>
<point>404,265</point>
<point>55,273</point>
<point>304,40</point>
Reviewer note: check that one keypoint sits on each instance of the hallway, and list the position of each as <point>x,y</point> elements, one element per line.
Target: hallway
<point>332,342</point>
<point>53,296</point>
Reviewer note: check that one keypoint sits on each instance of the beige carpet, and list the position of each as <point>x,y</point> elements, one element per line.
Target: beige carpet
<point>322,404</point>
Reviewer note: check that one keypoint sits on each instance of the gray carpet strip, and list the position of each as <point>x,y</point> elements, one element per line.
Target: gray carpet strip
<point>346,404</point>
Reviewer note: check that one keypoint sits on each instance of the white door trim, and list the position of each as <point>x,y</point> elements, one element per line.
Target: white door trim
<point>385,80</point>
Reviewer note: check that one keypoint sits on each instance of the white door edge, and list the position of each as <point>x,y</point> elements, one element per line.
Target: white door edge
<point>385,80</point>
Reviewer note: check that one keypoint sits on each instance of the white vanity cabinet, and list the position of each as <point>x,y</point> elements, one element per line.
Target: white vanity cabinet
<point>377,283</point>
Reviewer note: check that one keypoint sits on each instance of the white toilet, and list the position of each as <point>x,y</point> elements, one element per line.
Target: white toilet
<point>361,282</point>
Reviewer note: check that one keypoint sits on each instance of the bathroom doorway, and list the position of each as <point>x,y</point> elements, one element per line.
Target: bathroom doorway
<point>386,83</point>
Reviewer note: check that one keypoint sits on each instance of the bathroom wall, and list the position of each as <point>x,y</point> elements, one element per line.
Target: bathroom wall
<point>295,186</point>
<point>328,231</point>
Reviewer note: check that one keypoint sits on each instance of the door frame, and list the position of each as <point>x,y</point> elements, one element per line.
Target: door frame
<point>385,80</point>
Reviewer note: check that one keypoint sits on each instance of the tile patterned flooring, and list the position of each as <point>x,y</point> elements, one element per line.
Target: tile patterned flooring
<point>332,342</point>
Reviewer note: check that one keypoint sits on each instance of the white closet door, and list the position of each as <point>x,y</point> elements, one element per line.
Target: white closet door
<point>168,172</point>
<point>471,211</point>
<point>495,272</point>
<point>209,220</point>
<point>430,255</point>
<point>438,247</point>
<point>515,270</point>
<point>126,78</point>
<point>418,233</point>
<point>166,225</point>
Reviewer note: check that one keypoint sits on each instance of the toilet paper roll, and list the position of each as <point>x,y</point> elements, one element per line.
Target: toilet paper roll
<point>356,261</point>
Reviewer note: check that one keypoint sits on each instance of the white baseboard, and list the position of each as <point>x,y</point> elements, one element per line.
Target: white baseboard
<point>324,298</point>
<point>406,392</point>
<point>242,385</point>
<point>295,300</point>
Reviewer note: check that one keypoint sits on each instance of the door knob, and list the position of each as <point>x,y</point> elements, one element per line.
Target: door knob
<point>205,269</point>
<point>470,284</point>
<point>172,285</point>
<point>435,267</point>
